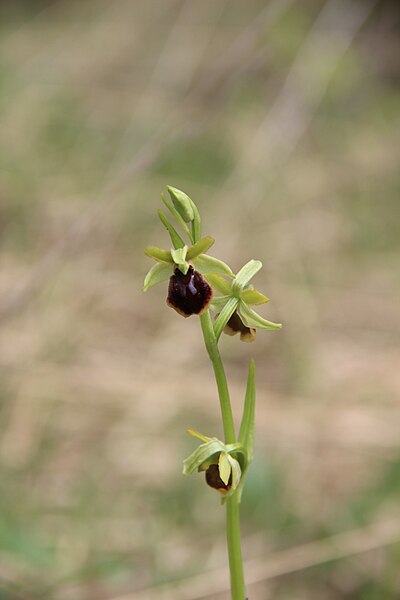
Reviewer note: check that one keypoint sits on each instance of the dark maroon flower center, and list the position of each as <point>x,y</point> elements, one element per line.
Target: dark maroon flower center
<point>188,294</point>
<point>214,480</point>
<point>236,325</point>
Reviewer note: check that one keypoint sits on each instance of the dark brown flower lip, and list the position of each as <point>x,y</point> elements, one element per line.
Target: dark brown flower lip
<point>235,325</point>
<point>214,480</point>
<point>188,294</point>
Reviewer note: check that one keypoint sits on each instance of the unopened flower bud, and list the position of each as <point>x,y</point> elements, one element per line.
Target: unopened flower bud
<point>182,203</point>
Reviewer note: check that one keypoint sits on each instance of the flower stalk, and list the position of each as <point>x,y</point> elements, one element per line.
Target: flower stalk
<point>194,278</point>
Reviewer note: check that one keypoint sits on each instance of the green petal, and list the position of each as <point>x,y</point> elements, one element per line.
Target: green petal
<point>251,319</point>
<point>200,247</point>
<point>182,203</point>
<point>208,264</point>
<point>220,284</point>
<point>176,239</point>
<point>247,272</point>
<point>201,455</point>
<point>224,316</point>
<point>224,467</point>
<point>158,254</point>
<point>199,435</point>
<point>246,433</point>
<point>253,297</point>
<point>158,273</point>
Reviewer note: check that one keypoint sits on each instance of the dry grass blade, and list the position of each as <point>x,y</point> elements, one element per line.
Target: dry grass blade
<point>280,563</point>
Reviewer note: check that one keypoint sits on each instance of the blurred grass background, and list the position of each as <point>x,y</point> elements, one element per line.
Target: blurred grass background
<point>281,120</point>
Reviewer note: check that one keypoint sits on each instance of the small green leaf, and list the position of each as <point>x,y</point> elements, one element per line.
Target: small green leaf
<point>208,264</point>
<point>220,284</point>
<point>176,239</point>
<point>158,254</point>
<point>224,467</point>
<point>251,319</point>
<point>224,316</point>
<point>200,247</point>
<point>253,297</point>
<point>246,433</point>
<point>158,273</point>
<point>246,273</point>
<point>182,203</point>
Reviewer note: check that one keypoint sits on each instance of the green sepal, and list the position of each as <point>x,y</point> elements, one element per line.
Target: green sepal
<point>251,319</point>
<point>218,302</point>
<point>182,203</point>
<point>246,433</point>
<point>208,264</point>
<point>237,478</point>
<point>224,467</point>
<point>224,316</point>
<point>158,273</point>
<point>253,297</point>
<point>246,273</point>
<point>200,247</point>
<point>158,254</point>
<point>177,217</point>
<point>176,239</point>
<point>220,284</point>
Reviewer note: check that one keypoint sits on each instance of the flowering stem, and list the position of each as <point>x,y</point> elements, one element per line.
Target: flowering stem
<point>232,504</point>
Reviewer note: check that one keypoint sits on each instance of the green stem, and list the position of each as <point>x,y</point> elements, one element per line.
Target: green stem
<point>232,505</point>
<point>234,548</point>
<point>220,377</point>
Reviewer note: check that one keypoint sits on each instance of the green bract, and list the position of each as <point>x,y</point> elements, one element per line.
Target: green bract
<point>237,297</point>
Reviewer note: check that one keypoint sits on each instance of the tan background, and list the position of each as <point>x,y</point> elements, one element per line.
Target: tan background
<point>281,120</point>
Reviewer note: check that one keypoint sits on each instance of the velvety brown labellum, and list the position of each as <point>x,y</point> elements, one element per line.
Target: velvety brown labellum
<point>188,294</point>
<point>214,480</point>
<point>235,325</point>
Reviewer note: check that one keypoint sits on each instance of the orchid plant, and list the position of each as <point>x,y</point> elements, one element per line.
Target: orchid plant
<point>198,284</point>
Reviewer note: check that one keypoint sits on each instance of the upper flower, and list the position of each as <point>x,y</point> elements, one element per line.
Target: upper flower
<point>233,307</point>
<point>184,266</point>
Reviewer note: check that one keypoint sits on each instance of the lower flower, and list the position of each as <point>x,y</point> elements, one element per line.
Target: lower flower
<point>235,325</point>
